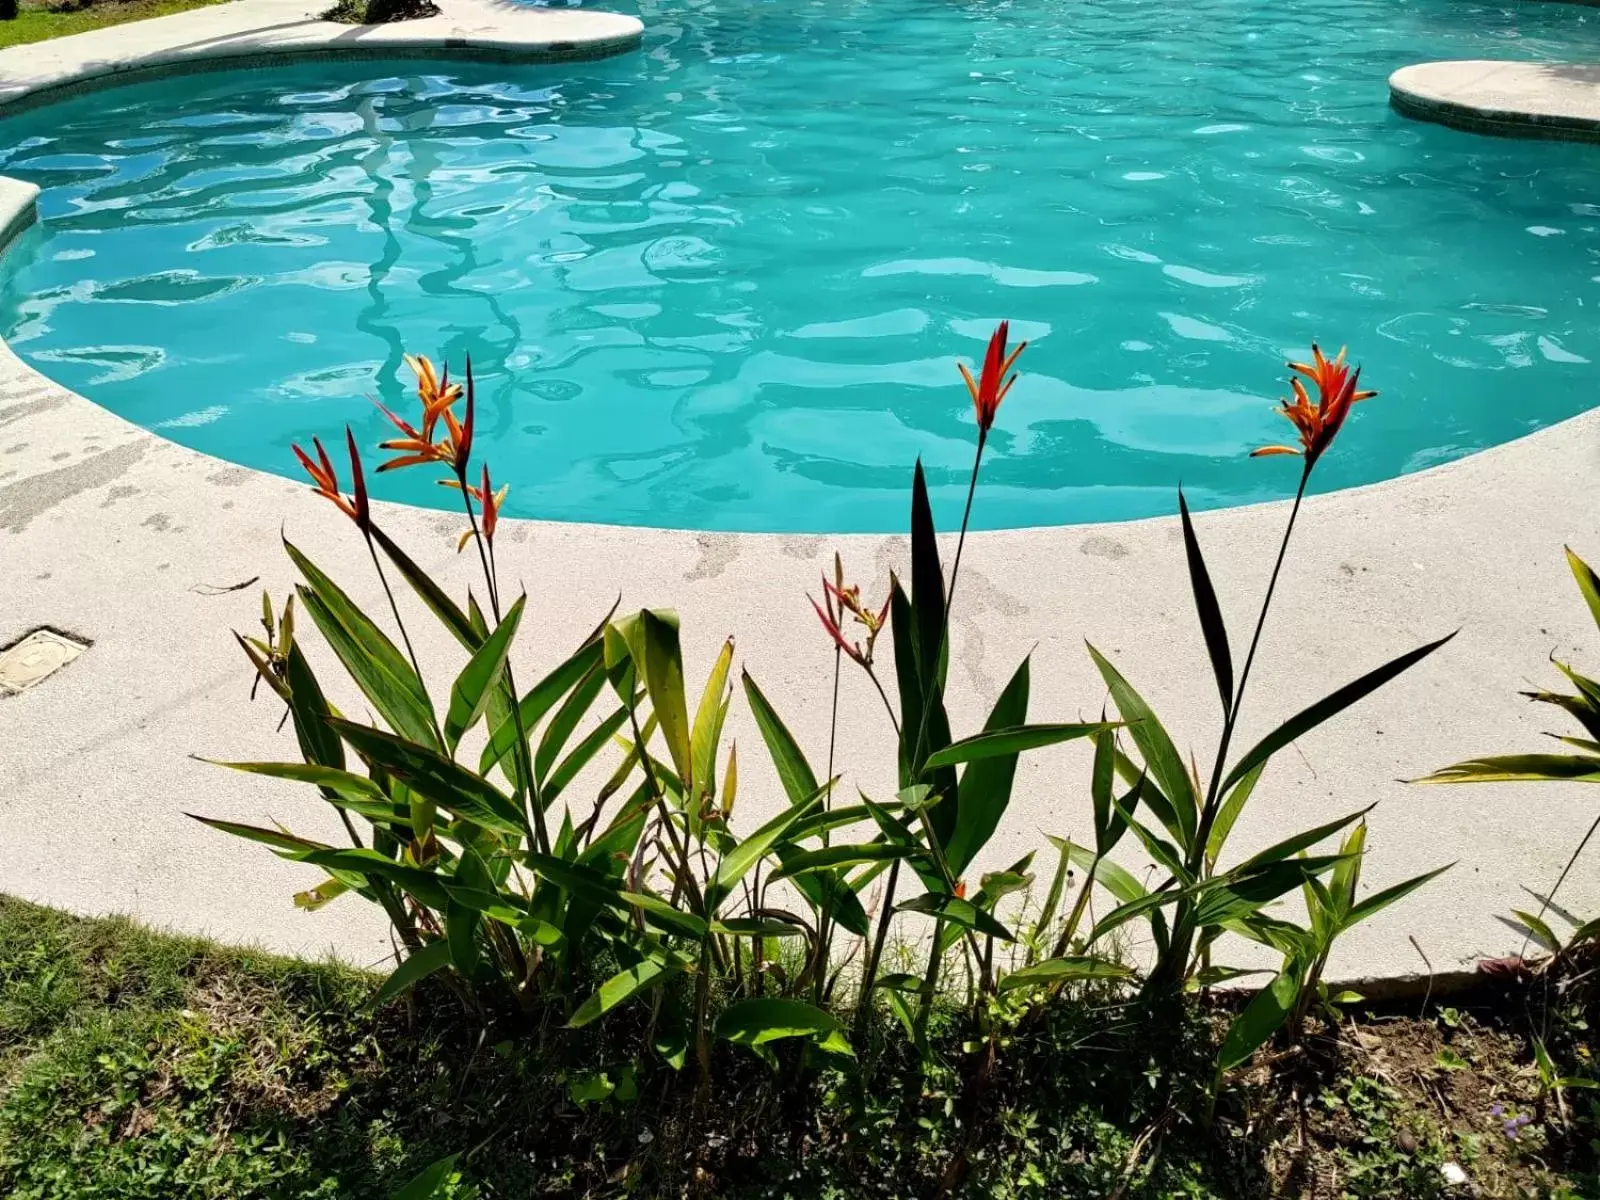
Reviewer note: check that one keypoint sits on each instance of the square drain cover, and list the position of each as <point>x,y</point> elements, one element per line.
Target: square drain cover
<point>36,657</point>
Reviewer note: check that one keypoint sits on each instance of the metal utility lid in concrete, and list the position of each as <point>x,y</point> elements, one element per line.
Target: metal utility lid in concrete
<point>35,658</point>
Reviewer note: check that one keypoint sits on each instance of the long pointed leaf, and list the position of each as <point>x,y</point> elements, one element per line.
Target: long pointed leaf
<point>469,696</point>
<point>1308,719</point>
<point>1381,900</point>
<point>1010,740</point>
<point>1060,970</point>
<point>983,792</point>
<point>435,777</point>
<point>1160,755</point>
<point>435,956</point>
<point>1205,603</point>
<point>624,985</point>
<point>794,772</point>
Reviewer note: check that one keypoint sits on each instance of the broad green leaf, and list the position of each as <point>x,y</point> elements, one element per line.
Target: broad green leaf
<point>431,594</point>
<point>1588,583</point>
<point>565,721</point>
<point>799,781</point>
<point>1540,932</point>
<point>1261,1018</point>
<point>431,1182</point>
<point>839,893</point>
<point>652,639</point>
<point>461,932</point>
<point>1062,970</point>
<point>276,838</point>
<point>841,856</point>
<point>541,698</point>
<point>757,846</point>
<point>442,780</point>
<point>573,877</point>
<point>1232,806</point>
<point>1010,740</point>
<point>1108,874</point>
<point>1308,719</point>
<point>435,956</point>
<point>624,985</point>
<point>708,721</point>
<point>927,588</point>
<point>425,885</point>
<point>1290,846</point>
<point>668,917</point>
<point>1167,856</point>
<point>1238,893</point>
<point>581,754</point>
<point>382,673</point>
<point>829,819</point>
<point>984,790</point>
<point>1210,612</point>
<point>1108,826</point>
<point>322,895</point>
<point>1347,875</point>
<point>506,909</point>
<point>1139,906</point>
<point>318,743</point>
<point>768,1019</point>
<point>342,783</point>
<point>469,696</point>
<point>1521,768</point>
<point>1160,755</point>
<point>958,912</point>
<point>758,927</point>
<point>1381,900</point>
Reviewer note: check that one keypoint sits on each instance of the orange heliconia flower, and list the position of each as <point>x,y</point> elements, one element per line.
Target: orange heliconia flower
<point>489,502</point>
<point>839,599</point>
<point>438,396</point>
<point>326,480</point>
<point>1318,424</point>
<point>991,387</point>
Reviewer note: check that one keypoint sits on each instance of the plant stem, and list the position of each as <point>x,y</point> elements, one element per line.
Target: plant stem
<point>869,969</point>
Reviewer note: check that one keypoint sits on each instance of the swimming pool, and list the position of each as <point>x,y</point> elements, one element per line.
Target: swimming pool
<point>720,283</point>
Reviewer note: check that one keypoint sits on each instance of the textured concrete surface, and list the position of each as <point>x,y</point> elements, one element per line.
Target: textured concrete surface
<point>1523,99</point>
<point>260,32</point>
<point>154,553</point>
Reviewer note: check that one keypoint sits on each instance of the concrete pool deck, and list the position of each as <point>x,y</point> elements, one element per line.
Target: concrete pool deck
<point>153,553</point>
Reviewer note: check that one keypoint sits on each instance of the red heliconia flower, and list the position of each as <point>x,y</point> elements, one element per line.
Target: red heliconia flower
<point>325,481</point>
<point>489,502</point>
<point>1319,423</point>
<point>839,599</point>
<point>961,889</point>
<point>438,396</point>
<point>991,387</point>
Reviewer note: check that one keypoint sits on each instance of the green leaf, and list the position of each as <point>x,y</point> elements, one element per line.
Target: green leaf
<point>572,877</point>
<point>377,667</point>
<point>758,927</point>
<point>1205,603</point>
<point>1261,1018</point>
<point>470,694</point>
<point>425,885</point>
<point>1541,932</point>
<point>1239,892</point>
<point>1232,806</point>
<point>799,781</point>
<point>342,783</point>
<point>1381,900</point>
<point>1521,768</point>
<point>1308,719</point>
<point>435,956</point>
<point>1061,970</point>
<point>1160,755</point>
<point>431,594</point>
<point>431,1182</point>
<point>437,778</point>
<point>1108,874</point>
<point>708,720</point>
<point>736,862</point>
<point>1588,583</point>
<point>581,754</point>
<point>1011,740</point>
<point>958,912</point>
<point>984,790</point>
<point>318,743</point>
<point>831,857</point>
<point>1448,1060</point>
<point>573,708</point>
<point>668,917</point>
<point>1290,846</point>
<point>652,639</point>
<point>276,838</point>
<point>769,1019</point>
<point>541,698</point>
<point>624,985</point>
<point>927,589</point>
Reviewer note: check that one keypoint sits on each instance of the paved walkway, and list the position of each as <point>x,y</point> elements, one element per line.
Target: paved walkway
<point>112,533</point>
<point>1557,100</point>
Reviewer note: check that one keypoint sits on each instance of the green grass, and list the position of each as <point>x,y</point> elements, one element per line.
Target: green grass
<point>137,1065</point>
<point>38,22</point>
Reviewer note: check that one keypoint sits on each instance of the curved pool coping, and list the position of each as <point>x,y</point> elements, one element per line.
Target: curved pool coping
<point>153,553</point>
<point>1511,99</point>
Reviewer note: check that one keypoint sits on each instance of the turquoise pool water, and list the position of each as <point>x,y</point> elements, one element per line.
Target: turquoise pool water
<point>721,282</point>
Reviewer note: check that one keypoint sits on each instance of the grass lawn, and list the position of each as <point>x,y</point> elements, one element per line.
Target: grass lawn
<point>38,22</point>
<point>138,1065</point>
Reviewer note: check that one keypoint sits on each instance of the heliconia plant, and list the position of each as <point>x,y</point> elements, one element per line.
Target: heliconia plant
<point>1581,765</point>
<point>502,881</point>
